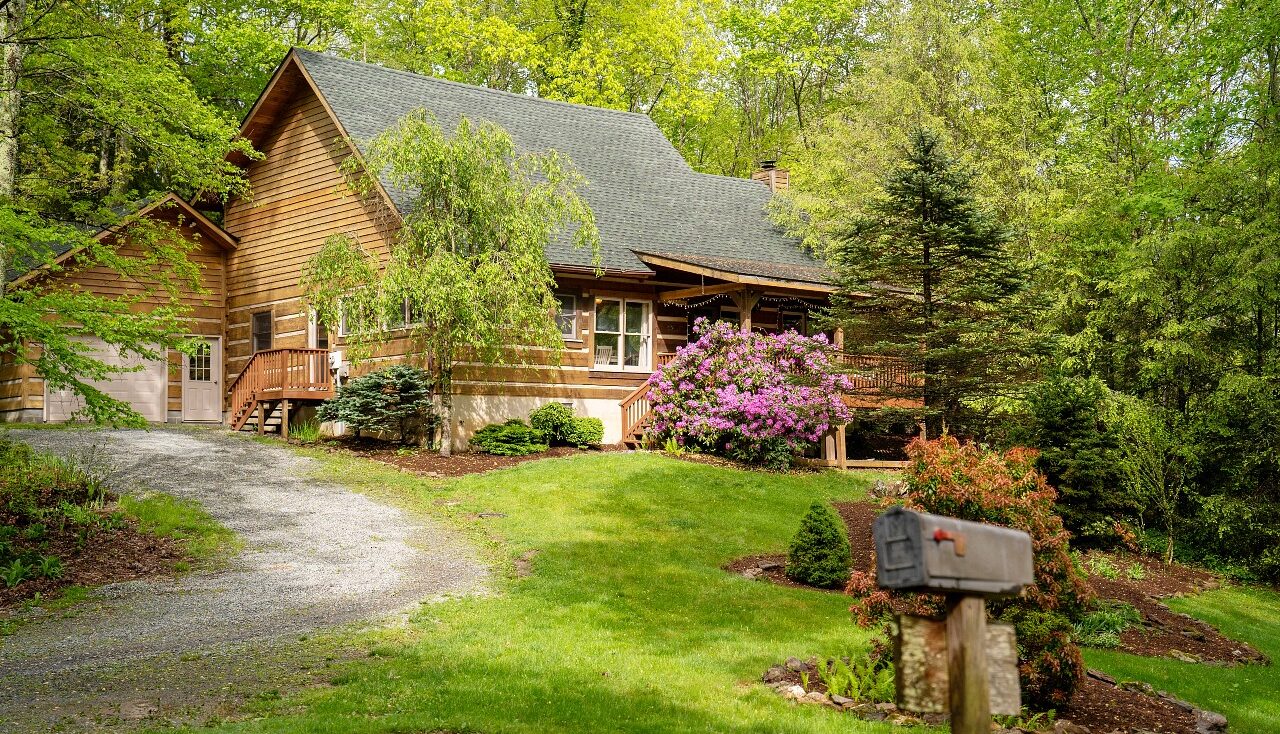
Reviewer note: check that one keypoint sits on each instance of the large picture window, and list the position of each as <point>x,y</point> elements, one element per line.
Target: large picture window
<point>622,334</point>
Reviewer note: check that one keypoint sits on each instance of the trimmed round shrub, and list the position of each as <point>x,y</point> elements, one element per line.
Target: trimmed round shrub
<point>820,550</point>
<point>513,438</point>
<point>584,432</point>
<point>554,420</point>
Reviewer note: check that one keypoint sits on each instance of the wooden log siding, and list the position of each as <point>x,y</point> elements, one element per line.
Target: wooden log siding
<point>22,389</point>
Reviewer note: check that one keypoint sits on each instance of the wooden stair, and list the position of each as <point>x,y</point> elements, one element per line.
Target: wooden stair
<point>274,383</point>
<point>637,414</point>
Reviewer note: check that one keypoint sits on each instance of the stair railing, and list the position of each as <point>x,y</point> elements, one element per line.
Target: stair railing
<point>280,373</point>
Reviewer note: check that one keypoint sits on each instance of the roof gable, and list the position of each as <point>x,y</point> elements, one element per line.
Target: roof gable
<point>155,206</point>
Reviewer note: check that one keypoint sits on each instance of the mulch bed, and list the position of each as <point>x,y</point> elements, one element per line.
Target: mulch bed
<point>1104,707</point>
<point>1164,632</point>
<point>430,463</point>
<point>1098,703</point>
<point>107,557</point>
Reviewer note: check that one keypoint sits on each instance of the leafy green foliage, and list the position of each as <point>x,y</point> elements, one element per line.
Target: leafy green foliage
<point>513,438</point>
<point>469,262</point>
<point>585,432</point>
<point>395,400</point>
<point>819,554</point>
<point>554,420</point>
<point>1102,626</point>
<point>868,679</point>
<point>1065,420</point>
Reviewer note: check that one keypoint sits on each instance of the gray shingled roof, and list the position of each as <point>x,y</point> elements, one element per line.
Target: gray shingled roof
<point>644,195</point>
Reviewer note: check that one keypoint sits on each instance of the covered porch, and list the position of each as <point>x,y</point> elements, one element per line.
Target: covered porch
<point>768,298</point>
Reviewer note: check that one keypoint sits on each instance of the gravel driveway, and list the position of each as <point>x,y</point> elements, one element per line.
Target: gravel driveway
<point>316,555</point>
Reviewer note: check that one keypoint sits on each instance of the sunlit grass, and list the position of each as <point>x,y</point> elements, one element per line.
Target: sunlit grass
<point>186,521</point>
<point>627,622</point>
<point>1246,695</point>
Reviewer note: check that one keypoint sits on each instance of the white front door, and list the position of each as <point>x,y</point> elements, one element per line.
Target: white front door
<point>202,382</point>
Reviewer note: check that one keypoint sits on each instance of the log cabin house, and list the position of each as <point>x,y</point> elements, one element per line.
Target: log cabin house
<point>676,244</point>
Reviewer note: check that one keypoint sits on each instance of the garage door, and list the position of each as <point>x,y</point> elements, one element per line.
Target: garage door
<point>146,389</point>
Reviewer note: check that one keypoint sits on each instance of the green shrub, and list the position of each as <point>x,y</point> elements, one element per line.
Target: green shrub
<point>513,438</point>
<point>1102,627</point>
<point>584,432</point>
<point>394,400</point>
<point>555,420</point>
<point>820,550</point>
<point>1079,456</point>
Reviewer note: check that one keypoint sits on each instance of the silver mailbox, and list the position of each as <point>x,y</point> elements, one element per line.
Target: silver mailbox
<point>917,551</point>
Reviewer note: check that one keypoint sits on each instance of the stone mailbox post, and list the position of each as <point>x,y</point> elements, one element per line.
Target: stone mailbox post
<point>968,562</point>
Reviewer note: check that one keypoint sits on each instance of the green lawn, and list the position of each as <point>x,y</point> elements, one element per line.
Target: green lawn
<point>627,623</point>
<point>1248,696</point>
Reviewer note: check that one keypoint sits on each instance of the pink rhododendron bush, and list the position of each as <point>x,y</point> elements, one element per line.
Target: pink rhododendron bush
<point>760,398</point>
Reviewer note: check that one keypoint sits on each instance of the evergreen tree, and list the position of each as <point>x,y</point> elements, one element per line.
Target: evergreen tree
<point>819,553</point>
<point>926,277</point>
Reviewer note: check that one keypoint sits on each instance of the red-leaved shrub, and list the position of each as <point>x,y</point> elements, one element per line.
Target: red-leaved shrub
<point>946,477</point>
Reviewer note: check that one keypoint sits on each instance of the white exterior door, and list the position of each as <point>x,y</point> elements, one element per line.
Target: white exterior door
<point>144,388</point>
<point>202,383</point>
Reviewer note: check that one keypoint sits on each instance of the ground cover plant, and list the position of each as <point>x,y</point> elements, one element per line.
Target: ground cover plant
<point>625,621</point>
<point>63,526</point>
<point>758,398</point>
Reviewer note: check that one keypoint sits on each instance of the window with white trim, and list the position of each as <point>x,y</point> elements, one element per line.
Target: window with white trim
<point>622,334</point>
<point>567,316</point>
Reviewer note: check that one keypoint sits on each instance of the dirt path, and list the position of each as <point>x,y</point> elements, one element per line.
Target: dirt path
<point>315,556</point>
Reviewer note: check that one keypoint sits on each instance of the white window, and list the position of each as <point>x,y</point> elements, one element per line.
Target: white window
<point>567,316</point>
<point>622,334</point>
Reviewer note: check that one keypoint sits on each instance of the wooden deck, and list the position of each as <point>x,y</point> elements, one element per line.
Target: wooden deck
<point>276,380</point>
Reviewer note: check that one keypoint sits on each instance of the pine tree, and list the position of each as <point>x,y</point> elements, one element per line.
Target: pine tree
<point>926,277</point>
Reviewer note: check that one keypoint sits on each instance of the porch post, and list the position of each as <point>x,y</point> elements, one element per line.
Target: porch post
<point>746,301</point>
<point>842,450</point>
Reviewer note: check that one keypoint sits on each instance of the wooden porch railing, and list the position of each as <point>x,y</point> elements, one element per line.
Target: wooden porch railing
<point>879,374</point>
<point>636,406</point>
<point>280,374</point>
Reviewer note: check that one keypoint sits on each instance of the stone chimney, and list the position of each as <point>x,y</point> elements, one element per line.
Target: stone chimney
<point>772,176</point>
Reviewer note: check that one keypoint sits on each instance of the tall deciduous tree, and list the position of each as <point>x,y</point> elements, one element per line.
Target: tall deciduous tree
<point>95,114</point>
<point>926,277</point>
<point>468,269</point>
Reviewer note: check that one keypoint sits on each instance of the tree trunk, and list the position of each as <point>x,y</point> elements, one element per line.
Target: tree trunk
<point>446,410</point>
<point>11,19</point>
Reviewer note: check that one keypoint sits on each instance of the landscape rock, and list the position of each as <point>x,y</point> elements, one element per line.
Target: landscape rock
<point>1208,722</point>
<point>841,701</point>
<point>796,664</point>
<point>816,697</point>
<point>1062,726</point>
<point>1185,657</point>
<point>770,565</point>
<point>794,692</point>
<point>774,674</point>
<point>751,573</point>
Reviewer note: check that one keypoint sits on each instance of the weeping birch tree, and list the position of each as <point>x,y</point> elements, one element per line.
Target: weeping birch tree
<point>468,269</point>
